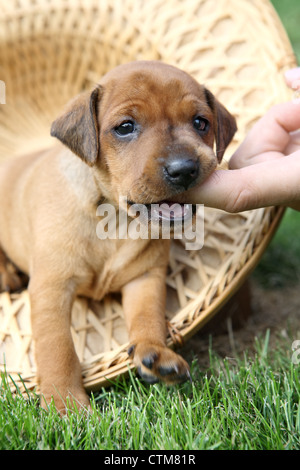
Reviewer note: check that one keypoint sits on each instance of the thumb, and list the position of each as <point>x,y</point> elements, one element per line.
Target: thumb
<point>269,183</point>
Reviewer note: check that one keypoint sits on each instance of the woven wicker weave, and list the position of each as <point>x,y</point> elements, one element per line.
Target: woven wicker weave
<point>50,51</point>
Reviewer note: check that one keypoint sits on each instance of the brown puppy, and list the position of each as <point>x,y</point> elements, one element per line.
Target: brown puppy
<point>145,134</point>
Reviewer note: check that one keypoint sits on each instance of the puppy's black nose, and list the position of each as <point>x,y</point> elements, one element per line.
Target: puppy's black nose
<point>181,172</point>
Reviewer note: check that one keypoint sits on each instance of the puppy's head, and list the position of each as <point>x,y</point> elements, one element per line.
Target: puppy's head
<point>150,131</point>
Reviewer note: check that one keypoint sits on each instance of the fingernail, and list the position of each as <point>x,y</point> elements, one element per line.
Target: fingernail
<point>292,75</point>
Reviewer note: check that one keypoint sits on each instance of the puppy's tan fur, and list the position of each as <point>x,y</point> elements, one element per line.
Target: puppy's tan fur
<point>48,213</point>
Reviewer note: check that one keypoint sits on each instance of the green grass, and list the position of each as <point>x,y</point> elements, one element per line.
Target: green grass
<point>248,403</point>
<point>289,13</point>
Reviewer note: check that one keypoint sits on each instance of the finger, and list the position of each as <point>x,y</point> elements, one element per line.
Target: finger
<point>261,185</point>
<point>294,143</point>
<point>270,134</point>
<point>236,160</point>
<point>292,76</point>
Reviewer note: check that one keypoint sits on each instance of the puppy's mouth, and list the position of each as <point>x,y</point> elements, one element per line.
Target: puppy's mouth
<point>169,211</point>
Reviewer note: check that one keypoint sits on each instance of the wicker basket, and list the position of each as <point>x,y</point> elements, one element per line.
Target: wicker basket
<point>50,51</point>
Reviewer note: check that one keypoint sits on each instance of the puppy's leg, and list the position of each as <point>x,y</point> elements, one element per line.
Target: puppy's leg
<point>9,277</point>
<point>58,367</point>
<point>144,308</point>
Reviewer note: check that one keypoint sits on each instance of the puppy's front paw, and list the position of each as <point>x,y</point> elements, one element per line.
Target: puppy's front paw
<point>156,363</point>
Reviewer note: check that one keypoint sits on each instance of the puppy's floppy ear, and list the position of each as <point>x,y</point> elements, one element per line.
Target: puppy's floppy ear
<point>224,124</point>
<point>78,128</point>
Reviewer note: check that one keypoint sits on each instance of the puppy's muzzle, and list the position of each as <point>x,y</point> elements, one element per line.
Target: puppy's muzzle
<point>181,173</point>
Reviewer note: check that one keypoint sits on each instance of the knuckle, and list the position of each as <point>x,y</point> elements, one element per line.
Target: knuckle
<point>244,199</point>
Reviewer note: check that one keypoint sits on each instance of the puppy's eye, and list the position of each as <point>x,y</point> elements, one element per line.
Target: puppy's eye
<point>201,124</point>
<point>127,127</point>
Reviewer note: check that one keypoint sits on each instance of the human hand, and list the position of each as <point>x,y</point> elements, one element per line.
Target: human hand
<point>265,169</point>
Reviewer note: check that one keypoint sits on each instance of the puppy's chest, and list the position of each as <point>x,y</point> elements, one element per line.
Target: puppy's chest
<point>115,263</point>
